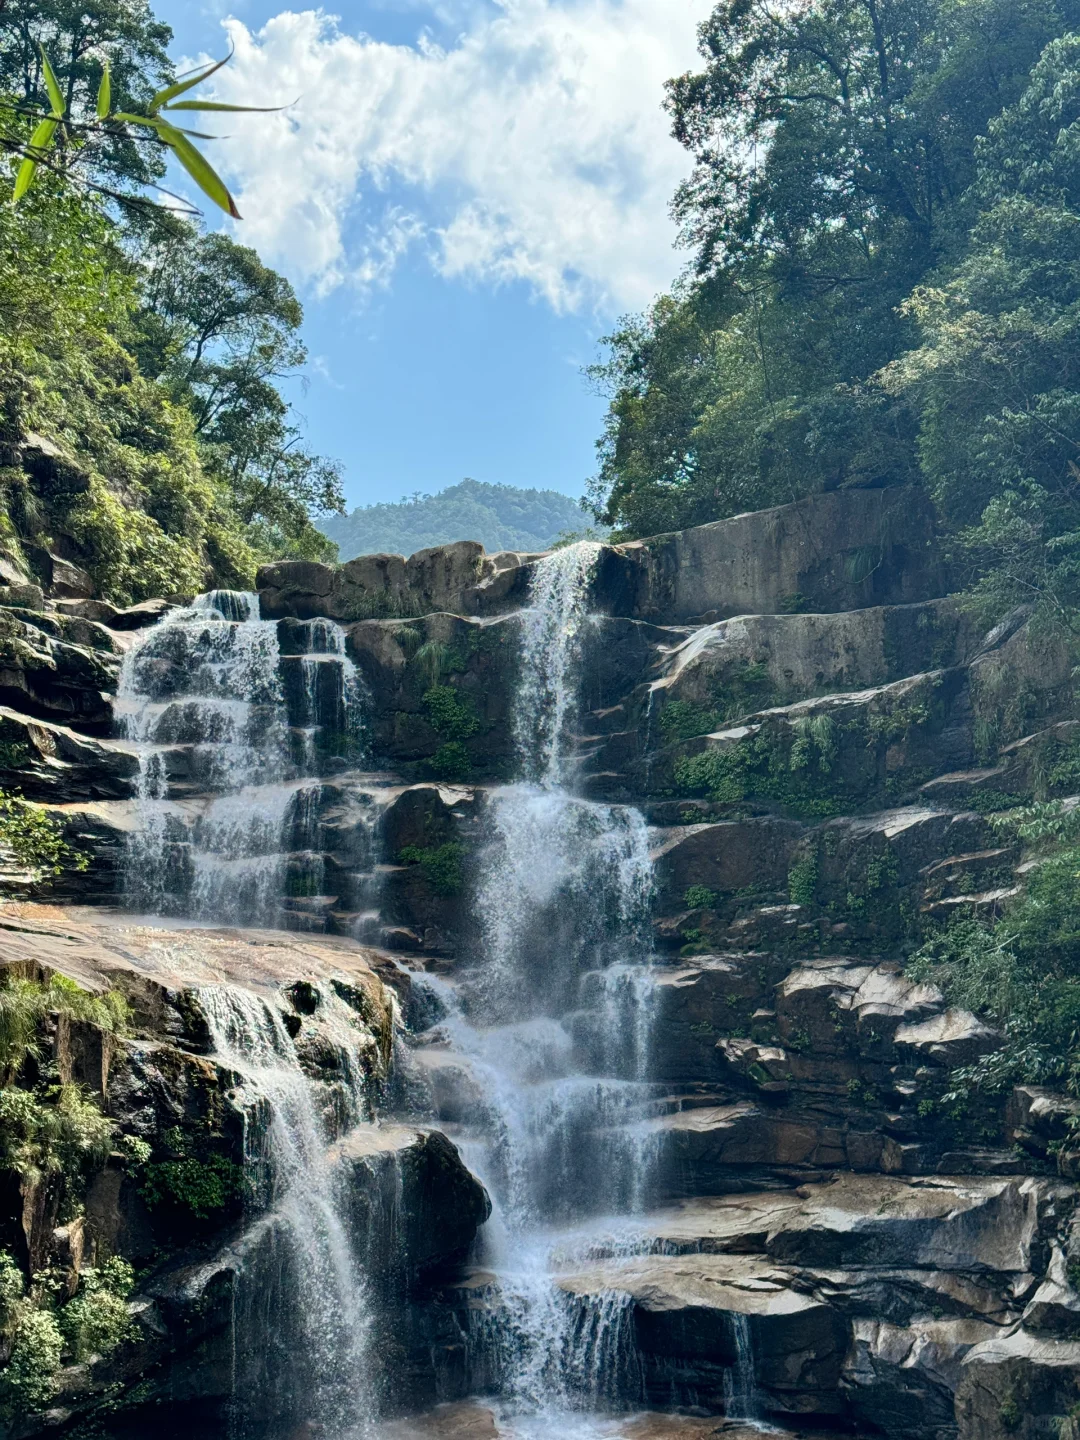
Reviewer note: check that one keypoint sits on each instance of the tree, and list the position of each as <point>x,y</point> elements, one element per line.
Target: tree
<point>81,37</point>
<point>221,330</point>
<point>834,153</point>
<point>996,379</point>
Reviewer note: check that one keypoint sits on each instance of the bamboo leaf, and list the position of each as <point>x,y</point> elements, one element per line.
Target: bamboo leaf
<point>233,109</point>
<point>24,178</point>
<point>104,95</point>
<point>199,168</point>
<point>170,92</point>
<point>39,142</point>
<point>56,95</point>
<point>151,120</point>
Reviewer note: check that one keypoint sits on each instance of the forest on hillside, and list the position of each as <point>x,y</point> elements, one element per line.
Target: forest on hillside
<point>149,348</point>
<point>883,204</point>
<point>501,517</point>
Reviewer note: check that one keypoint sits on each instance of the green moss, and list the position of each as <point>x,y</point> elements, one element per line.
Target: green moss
<point>441,866</point>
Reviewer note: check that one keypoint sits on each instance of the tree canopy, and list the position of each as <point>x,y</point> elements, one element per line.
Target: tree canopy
<point>881,210</point>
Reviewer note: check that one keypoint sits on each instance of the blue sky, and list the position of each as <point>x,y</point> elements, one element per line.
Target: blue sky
<point>466,195</point>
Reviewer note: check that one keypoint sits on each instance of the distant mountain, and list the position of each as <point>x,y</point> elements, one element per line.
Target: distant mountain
<point>501,517</point>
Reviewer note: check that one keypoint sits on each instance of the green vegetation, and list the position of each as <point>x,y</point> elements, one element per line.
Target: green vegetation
<point>96,1320</point>
<point>148,353</point>
<point>441,866</point>
<point>40,1331</point>
<point>699,897</point>
<point>793,769</point>
<point>682,720</point>
<point>24,1004</point>
<point>187,1185</point>
<point>35,839</point>
<point>55,1129</point>
<point>501,517</point>
<point>803,878</point>
<point>1022,972</point>
<point>452,715</point>
<point>883,210</point>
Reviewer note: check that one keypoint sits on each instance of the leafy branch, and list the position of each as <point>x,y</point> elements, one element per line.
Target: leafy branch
<point>42,149</point>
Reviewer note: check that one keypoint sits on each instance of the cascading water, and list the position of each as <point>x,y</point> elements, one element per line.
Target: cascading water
<point>228,714</point>
<point>554,1020</point>
<point>301,1292</point>
<point>226,728</point>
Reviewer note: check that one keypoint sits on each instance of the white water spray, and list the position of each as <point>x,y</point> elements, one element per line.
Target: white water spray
<point>554,1023</point>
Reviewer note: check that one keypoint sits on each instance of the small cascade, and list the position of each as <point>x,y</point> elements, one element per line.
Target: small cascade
<point>553,1021</point>
<point>554,625</point>
<point>227,725</point>
<point>302,1306</point>
<point>740,1381</point>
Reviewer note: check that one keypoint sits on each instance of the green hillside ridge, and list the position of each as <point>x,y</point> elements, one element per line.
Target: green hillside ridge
<point>501,517</point>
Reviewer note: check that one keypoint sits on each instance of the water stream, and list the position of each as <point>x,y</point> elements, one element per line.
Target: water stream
<point>227,731</point>
<point>552,1020</point>
<point>302,1304</point>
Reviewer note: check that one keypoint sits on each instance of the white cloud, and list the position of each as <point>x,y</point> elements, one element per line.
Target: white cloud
<point>534,149</point>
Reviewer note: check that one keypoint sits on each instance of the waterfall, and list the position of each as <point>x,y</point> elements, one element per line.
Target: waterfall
<point>226,737</point>
<point>301,1297</point>
<point>740,1381</point>
<point>553,630</point>
<point>553,1019</point>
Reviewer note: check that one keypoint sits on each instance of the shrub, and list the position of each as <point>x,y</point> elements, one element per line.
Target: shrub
<point>96,1320</point>
<point>699,897</point>
<point>450,762</point>
<point>682,720</point>
<point>35,839</point>
<point>28,1381</point>
<point>202,1188</point>
<point>802,880</point>
<point>57,1131</point>
<point>25,1003</point>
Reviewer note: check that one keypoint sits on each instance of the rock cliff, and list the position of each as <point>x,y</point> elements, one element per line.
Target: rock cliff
<point>815,732</point>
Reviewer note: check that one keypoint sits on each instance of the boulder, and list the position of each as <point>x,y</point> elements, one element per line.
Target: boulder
<point>1014,1386</point>
<point>684,1313</point>
<point>955,1037</point>
<point>53,763</point>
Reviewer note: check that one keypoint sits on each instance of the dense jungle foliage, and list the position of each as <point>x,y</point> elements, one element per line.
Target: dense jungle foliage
<point>150,352</point>
<point>885,286</point>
